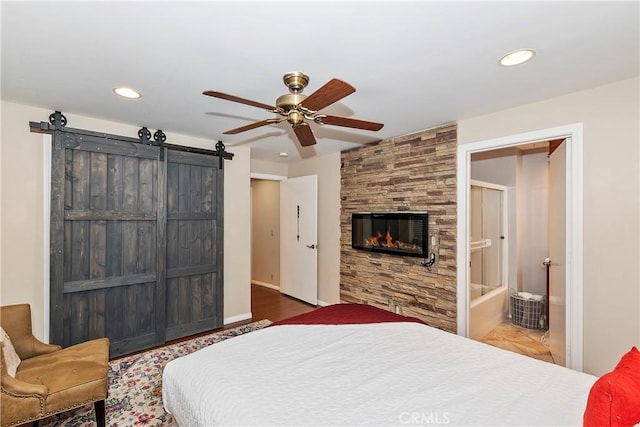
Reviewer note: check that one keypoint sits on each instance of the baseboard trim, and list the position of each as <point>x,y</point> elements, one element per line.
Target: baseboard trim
<point>238,318</point>
<point>323,304</point>
<point>265,284</point>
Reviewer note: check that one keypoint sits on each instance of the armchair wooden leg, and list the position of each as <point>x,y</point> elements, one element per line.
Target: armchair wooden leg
<point>100,412</point>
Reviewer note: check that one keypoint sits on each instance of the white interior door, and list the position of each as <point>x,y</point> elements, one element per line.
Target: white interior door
<point>557,254</point>
<point>299,238</point>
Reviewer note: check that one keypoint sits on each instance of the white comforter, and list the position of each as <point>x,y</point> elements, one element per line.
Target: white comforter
<point>368,374</point>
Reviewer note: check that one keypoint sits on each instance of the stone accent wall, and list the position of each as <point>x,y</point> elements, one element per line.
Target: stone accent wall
<point>414,172</point>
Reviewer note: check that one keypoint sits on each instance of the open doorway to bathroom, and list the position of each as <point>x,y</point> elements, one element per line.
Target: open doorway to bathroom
<point>566,266</point>
<point>509,211</point>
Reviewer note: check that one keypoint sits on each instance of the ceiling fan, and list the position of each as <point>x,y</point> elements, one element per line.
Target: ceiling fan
<point>297,108</point>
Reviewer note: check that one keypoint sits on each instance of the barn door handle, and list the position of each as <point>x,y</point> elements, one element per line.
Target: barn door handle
<point>312,246</point>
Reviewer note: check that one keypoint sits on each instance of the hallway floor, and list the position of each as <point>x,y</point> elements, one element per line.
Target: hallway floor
<point>267,303</point>
<point>519,340</point>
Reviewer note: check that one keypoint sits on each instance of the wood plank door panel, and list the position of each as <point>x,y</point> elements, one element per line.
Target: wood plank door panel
<point>136,241</point>
<point>110,286</point>
<point>194,244</point>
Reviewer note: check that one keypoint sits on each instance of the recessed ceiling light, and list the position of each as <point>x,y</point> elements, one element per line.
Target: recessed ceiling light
<point>283,154</point>
<point>127,92</point>
<point>517,57</point>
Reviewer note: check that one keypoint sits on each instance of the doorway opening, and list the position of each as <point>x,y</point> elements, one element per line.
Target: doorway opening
<point>265,243</point>
<point>265,233</point>
<point>570,261</point>
<point>284,223</point>
<point>509,210</point>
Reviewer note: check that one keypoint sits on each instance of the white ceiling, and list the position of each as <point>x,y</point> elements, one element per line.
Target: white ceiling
<point>414,65</point>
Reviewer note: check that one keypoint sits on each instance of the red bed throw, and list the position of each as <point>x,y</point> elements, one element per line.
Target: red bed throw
<point>342,314</point>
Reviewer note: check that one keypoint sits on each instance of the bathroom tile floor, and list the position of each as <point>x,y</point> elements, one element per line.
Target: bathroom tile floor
<point>519,340</point>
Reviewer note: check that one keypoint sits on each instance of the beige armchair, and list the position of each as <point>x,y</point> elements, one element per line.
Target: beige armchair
<point>49,379</point>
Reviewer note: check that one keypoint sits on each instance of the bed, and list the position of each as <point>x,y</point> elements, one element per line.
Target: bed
<point>351,364</point>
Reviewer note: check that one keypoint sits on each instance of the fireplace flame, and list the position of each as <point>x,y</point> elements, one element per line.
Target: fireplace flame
<point>374,240</point>
<point>389,240</point>
<point>386,241</point>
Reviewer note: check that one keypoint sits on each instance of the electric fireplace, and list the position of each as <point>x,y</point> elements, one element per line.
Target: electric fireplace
<point>397,233</point>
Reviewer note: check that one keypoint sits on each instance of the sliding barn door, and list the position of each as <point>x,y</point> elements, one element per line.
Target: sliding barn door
<point>194,244</point>
<point>136,241</point>
<point>107,245</point>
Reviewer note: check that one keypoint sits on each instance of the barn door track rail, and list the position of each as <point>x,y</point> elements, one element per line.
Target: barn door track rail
<point>58,123</point>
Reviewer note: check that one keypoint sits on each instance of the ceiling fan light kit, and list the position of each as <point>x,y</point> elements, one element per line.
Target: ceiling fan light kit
<point>297,109</point>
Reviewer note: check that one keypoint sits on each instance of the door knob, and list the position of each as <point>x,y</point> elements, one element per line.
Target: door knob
<point>312,246</point>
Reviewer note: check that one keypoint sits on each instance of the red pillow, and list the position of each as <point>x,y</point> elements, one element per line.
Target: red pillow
<point>614,399</point>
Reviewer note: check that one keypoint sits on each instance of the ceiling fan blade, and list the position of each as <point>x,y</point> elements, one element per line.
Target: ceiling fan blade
<point>251,126</point>
<point>238,99</point>
<point>331,92</point>
<point>304,134</point>
<point>350,123</point>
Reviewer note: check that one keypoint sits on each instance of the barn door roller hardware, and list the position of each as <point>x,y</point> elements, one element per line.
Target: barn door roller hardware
<point>58,123</point>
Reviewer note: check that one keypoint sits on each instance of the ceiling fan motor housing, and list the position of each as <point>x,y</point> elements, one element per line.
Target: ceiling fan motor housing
<point>290,100</point>
<point>288,104</point>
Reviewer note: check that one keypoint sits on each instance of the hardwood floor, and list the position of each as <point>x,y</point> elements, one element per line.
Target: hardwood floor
<point>270,304</point>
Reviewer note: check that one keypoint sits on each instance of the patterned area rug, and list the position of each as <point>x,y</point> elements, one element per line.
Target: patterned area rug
<point>135,385</point>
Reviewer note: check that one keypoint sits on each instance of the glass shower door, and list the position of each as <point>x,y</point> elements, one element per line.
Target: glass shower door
<point>486,239</point>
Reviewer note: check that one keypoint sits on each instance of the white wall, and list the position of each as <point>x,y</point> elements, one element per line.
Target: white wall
<point>327,168</point>
<point>268,168</point>
<point>495,166</point>
<point>533,220</point>
<point>237,235</point>
<point>611,205</point>
<point>22,276</point>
